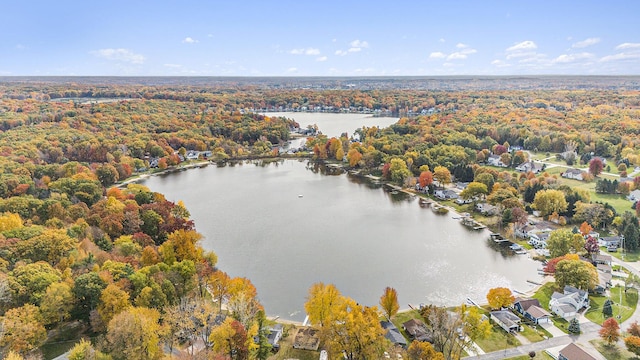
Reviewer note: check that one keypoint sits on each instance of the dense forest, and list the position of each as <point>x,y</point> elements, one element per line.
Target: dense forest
<point>125,264</point>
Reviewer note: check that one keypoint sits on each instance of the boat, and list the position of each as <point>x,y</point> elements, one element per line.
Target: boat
<point>300,195</point>
<point>518,249</point>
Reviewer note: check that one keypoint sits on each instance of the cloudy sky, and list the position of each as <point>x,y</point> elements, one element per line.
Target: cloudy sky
<point>319,38</point>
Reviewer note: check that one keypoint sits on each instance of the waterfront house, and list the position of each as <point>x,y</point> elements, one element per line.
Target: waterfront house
<point>393,334</point>
<point>575,174</point>
<point>445,194</point>
<point>634,195</point>
<point>575,352</point>
<point>275,334</point>
<point>307,339</point>
<point>568,303</point>
<point>487,209</point>
<point>532,310</point>
<point>494,160</point>
<point>417,330</point>
<point>506,320</point>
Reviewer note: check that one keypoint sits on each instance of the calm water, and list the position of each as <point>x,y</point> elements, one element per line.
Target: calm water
<point>342,231</point>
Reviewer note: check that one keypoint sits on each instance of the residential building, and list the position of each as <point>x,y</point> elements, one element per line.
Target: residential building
<point>530,166</point>
<point>494,160</point>
<point>567,304</point>
<point>575,352</point>
<point>575,174</point>
<point>506,320</point>
<point>634,195</point>
<point>610,241</point>
<point>445,194</point>
<point>417,330</point>
<point>393,334</point>
<point>532,310</point>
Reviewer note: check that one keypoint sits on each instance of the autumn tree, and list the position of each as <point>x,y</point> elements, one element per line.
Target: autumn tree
<point>442,175</point>
<point>474,191</point>
<point>425,179</point>
<point>113,300</point>
<point>57,303</point>
<point>422,350</point>
<point>389,302</point>
<point>610,331</point>
<point>591,245</point>
<point>398,170</point>
<point>322,301</point>
<point>564,241</point>
<point>550,201</point>
<point>135,334</point>
<point>577,273</point>
<point>595,166</point>
<point>219,287</point>
<point>354,156</point>
<point>500,297</point>
<point>23,329</point>
<point>585,228</point>
<point>231,339</point>
<point>632,343</point>
<point>84,350</point>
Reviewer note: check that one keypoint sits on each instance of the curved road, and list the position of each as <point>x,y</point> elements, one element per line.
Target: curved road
<point>589,332</point>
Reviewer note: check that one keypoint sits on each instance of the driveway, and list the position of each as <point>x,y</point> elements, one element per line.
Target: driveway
<point>552,329</point>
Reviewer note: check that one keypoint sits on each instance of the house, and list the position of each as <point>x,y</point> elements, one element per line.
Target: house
<point>524,232</point>
<point>393,334</point>
<point>192,155</point>
<point>567,304</point>
<point>494,160</point>
<point>539,239</point>
<point>532,310</point>
<point>604,281</point>
<point>601,259</point>
<point>417,330</point>
<point>610,241</point>
<point>506,319</point>
<point>307,339</point>
<point>634,195</point>
<point>445,194</point>
<point>275,334</point>
<point>575,352</point>
<point>575,174</point>
<point>461,201</point>
<point>530,166</point>
<point>487,209</point>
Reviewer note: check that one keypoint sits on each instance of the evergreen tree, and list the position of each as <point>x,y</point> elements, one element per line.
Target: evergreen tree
<point>574,326</point>
<point>607,309</point>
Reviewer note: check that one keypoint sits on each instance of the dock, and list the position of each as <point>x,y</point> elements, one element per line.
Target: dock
<point>472,223</point>
<point>497,238</point>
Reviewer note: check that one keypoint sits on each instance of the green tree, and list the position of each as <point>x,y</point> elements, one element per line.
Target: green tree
<point>86,291</point>
<point>550,201</point>
<point>607,308</point>
<point>30,282</point>
<point>442,175</point>
<point>574,326</point>
<point>389,302</point>
<point>564,241</point>
<point>83,350</point>
<point>577,273</point>
<point>475,191</point>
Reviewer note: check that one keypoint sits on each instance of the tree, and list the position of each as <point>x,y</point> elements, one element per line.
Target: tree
<point>83,350</point>
<point>425,179</point>
<point>610,331</point>
<point>398,170</point>
<point>322,301</point>
<point>634,329</point>
<point>564,241</point>
<point>577,273</point>
<point>57,303</point>
<point>135,334</point>
<point>107,175</point>
<point>633,344</point>
<point>574,326</point>
<point>23,329</point>
<point>500,297</point>
<point>607,308</point>
<point>422,350</point>
<point>442,175</point>
<point>585,228</point>
<point>219,287</point>
<point>595,166</point>
<point>591,246</point>
<point>113,300</point>
<point>474,190</point>
<point>29,282</point>
<point>230,339</point>
<point>354,331</point>
<point>354,156</point>
<point>389,302</point>
<point>86,290</point>
<point>550,201</point>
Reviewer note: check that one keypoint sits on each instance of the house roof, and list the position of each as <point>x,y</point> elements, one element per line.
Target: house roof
<point>506,317</point>
<point>527,303</point>
<point>574,352</point>
<point>537,312</point>
<point>604,268</point>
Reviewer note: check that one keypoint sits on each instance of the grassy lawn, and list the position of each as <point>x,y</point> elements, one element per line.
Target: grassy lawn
<point>531,334</point>
<point>626,309</point>
<point>612,352</point>
<point>619,202</point>
<point>497,340</point>
<point>561,324</point>
<point>628,256</point>
<point>544,294</point>
<point>288,352</point>
<point>403,317</point>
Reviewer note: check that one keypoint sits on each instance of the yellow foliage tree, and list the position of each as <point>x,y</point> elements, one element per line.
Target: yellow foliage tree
<point>10,221</point>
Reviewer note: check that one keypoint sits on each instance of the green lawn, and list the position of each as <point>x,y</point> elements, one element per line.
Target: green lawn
<point>498,339</point>
<point>531,334</point>
<point>628,256</point>
<point>540,355</point>
<point>625,310</point>
<point>613,352</point>
<point>561,324</point>
<point>544,294</point>
<point>403,317</point>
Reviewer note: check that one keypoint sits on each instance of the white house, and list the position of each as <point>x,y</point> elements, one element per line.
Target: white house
<point>567,304</point>
<point>634,195</point>
<point>445,194</point>
<point>487,209</point>
<point>575,174</point>
<point>494,160</point>
<point>530,166</point>
<point>610,241</point>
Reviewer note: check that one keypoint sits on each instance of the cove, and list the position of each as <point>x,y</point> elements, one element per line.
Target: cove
<point>342,230</point>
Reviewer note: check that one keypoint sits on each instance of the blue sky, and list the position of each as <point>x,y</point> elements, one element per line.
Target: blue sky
<point>319,38</point>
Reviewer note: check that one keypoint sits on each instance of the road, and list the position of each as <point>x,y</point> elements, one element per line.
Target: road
<point>589,331</point>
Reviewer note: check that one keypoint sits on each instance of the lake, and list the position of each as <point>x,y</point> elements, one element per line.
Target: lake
<point>288,224</point>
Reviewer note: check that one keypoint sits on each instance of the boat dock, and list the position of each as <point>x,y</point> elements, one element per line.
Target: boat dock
<point>470,222</point>
<point>497,238</point>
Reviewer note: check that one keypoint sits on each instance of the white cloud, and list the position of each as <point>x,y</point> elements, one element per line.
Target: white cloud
<point>209,35</point>
<point>359,44</point>
<point>292,69</point>
<point>119,55</point>
<point>462,46</point>
<point>321,58</point>
<point>307,51</point>
<point>499,63</point>
<point>621,56</point>
<point>341,52</point>
<point>437,55</point>
<point>569,58</point>
<point>521,54</point>
<point>354,49</point>
<point>189,40</point>
<point>525,45</point>
<point>626,46</point>
<point>442,40</point>
<point>585,43</point>
<point>463,54</point>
